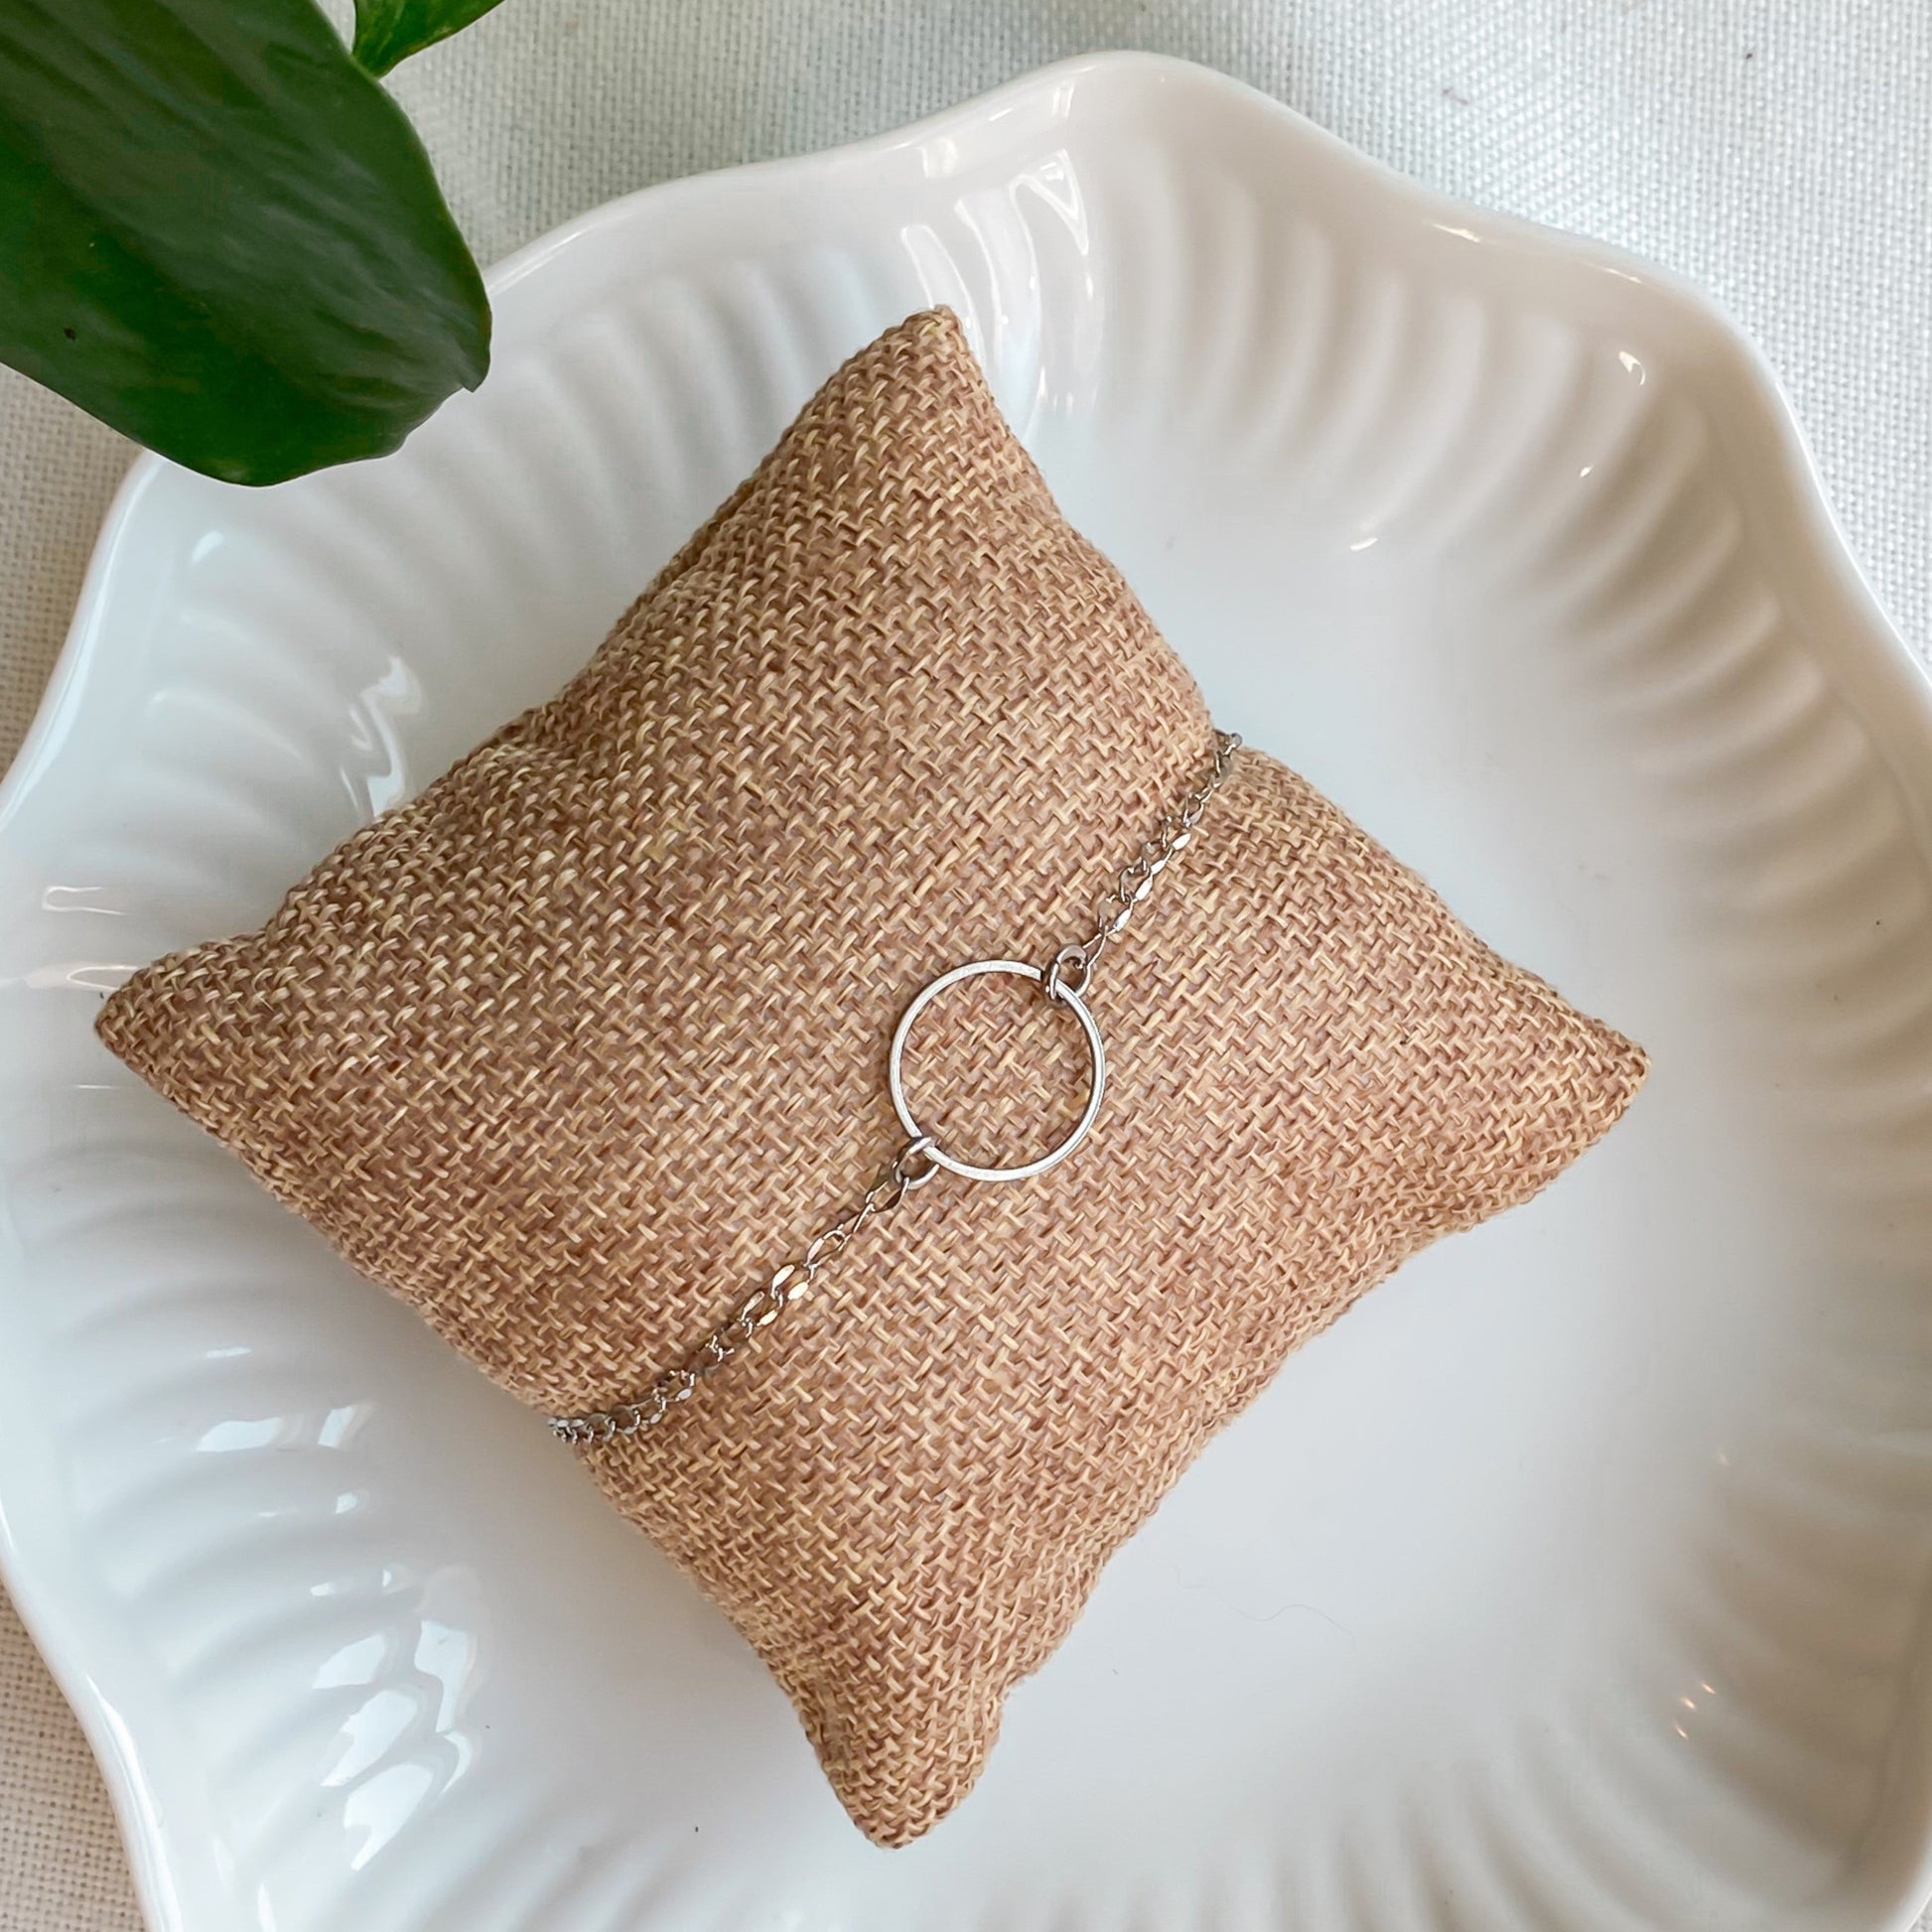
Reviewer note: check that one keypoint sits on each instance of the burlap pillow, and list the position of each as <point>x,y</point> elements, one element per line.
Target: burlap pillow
<point>583,1042</point>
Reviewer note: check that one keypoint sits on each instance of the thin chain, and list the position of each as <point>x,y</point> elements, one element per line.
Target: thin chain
<point>913,1166</point>
<point>1170,839</point>
<point>910,1168</point>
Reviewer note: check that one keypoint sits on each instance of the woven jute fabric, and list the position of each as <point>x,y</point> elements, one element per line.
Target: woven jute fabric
<point>582,1043</point>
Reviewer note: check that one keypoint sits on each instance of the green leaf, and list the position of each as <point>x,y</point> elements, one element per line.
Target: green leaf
<point>389,31</point>
<point>218,235</point>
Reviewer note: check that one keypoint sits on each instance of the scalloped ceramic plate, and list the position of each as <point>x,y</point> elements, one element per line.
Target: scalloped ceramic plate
<point>1577,1580</point>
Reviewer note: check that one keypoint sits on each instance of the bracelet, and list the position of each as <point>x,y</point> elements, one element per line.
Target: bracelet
<point>1065,980</point>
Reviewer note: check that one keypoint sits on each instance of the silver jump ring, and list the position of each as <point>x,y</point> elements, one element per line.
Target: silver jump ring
<point>1068,958</point>
<point>912,1178</point>
<point>1096,1070</point>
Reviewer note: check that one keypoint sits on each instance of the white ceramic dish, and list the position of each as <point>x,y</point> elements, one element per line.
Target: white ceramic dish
<point>1579,1578</point>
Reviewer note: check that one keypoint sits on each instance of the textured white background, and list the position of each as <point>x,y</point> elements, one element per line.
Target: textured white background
<point>1778,152</point>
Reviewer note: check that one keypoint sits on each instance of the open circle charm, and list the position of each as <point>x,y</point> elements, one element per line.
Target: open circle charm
<point>1096,1070</point>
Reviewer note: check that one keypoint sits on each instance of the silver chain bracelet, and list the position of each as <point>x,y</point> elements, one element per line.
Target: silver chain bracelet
<point>1065,980</point>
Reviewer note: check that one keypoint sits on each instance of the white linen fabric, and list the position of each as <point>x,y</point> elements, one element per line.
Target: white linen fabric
<point>1777,152</point>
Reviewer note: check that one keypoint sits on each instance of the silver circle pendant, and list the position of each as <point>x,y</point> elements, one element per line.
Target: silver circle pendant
<point>1096,1069</point>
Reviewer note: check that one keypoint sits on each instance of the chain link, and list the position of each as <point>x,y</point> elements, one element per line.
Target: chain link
<point>913,1164</point>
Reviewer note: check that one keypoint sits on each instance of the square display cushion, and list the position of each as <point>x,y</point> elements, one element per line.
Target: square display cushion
<point>577,1046</point>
